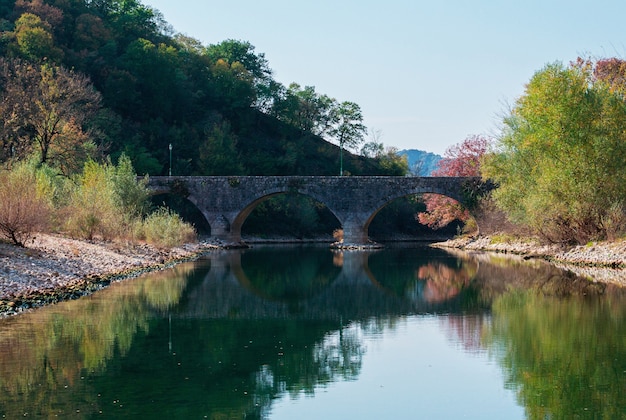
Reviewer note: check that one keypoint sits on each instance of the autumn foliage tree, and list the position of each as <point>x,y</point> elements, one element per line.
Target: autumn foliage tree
<point>45,109</point>
<point>462,159</point>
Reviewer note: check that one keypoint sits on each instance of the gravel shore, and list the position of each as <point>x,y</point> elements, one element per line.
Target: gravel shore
<point>55,268</point>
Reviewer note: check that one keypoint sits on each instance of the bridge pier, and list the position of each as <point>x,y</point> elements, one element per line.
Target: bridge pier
<point>223,230</point>
<point>354,233</point>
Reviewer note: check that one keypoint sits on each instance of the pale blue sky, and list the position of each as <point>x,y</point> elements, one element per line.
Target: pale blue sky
<point>426,73</point>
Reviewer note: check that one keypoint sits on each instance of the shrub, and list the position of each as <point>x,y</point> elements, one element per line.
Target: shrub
<point>25,204</point>
<point>94,207</point>
<point>164,228</point>
<point>133,195</point>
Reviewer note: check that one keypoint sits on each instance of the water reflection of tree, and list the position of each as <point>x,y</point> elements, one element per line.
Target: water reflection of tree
<point>565,358</point>
<point>466,330</point>
<point>218,365</point>
<point>226,369</point>
<point>443,282</point>
<point>44,354</point>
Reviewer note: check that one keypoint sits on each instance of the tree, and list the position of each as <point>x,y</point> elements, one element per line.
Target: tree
<point>347,127</point>
<point>133,195</point>
<point>218,153</point>
<point>47,108</point>
<point>233,51</point>
<point>611,71</point>
<point>374,148</point>
<point>246,65</point>
<point>560,160</point>
<point>34,39</point>
<point>389,161</point>
<point>305,109</point>
<point>462,159</point>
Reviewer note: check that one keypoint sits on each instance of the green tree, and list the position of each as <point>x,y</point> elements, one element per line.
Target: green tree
<point>133,195</point>
<point>34,39</point>
<point>305,109</point>
<point>233,51</point>
<point>218,153</point>
<point>243,77</point>
<point>560,160</point>
<point>347,128</point>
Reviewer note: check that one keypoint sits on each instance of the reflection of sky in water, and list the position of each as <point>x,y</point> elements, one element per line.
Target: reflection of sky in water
<point>417,370</point>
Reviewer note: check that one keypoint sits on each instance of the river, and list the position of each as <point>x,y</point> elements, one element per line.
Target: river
<point>303,332</point>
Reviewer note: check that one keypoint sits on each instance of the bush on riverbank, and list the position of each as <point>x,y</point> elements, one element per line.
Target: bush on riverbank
<point>25,206</point>
<point>164,228</point>
<point>104,201</point>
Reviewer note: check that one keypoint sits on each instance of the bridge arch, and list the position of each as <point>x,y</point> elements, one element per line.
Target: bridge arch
<point>403,194</point>
<point>241,218</point>
<point>186,207</point>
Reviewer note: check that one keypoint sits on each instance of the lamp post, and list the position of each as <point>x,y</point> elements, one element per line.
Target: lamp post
<point>340,160</point>
<point>170,147</point>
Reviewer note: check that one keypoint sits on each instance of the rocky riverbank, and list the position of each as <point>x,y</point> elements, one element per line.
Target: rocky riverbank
<point>597,261</point>
<point>55,268</point>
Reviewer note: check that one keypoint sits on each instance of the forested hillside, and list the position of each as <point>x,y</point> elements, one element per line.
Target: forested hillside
<point>95,78</point>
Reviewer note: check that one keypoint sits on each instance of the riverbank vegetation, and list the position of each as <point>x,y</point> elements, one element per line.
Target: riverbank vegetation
<point>104,201</point>
<point>559,161</point>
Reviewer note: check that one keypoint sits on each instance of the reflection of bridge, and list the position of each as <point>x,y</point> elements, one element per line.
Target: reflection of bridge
<point>226,202</point>
<point>335,286</point>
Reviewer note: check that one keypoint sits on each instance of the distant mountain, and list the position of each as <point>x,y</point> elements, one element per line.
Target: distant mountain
<point>421,163</point>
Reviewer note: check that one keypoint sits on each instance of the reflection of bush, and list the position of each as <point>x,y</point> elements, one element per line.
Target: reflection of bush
<point>443,282</point>
<point>164,290</point>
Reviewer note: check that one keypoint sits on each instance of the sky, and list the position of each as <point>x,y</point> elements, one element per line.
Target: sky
<point>426,74</point>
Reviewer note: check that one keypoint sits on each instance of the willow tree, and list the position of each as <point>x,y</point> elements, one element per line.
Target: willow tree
<point>560,159</point>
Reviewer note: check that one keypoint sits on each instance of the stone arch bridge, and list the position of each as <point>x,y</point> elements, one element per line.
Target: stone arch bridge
<point>226,201</point>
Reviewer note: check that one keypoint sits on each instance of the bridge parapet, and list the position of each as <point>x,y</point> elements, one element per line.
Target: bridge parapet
<point>226,201</point>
